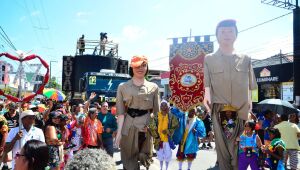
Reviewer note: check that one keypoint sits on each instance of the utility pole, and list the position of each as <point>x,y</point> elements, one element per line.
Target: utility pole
<point>292,5</point>
<point>50,70</point>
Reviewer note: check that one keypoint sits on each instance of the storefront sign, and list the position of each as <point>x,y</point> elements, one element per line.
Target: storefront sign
<point>265,76</point>
<point>287,91</point>
<point>267,79</point>
<point>265,73</point>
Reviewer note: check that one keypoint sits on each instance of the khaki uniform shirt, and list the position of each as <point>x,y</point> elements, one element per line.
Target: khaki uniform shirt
<point>230,78</point>
<point>144,97</point>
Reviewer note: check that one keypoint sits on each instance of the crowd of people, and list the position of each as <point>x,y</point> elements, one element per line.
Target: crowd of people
<point>54,138</point>
<point>85,135</point>
<point>62,128</point>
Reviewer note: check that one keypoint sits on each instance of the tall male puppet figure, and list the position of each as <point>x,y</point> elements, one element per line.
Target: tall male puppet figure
<point>228,80</point>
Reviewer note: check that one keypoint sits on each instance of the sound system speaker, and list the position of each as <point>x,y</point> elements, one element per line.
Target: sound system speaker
<point>89,63</point>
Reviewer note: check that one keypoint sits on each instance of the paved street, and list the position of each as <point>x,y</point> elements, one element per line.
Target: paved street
<point>206,159</point>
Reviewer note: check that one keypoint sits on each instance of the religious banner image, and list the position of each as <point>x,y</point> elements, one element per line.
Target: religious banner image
<point>187,73</point>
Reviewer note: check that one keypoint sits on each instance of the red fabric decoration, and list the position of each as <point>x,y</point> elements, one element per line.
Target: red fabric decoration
<point>187,75</point>
<point>40,90</point>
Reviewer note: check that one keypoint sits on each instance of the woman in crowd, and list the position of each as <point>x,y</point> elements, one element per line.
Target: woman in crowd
<point>136,100</point>
<point>109,123</point>
<point>92,130</point>
<point>33,156</point>
<point>53,138</point>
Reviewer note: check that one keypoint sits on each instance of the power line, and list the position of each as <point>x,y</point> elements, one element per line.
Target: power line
<point>265,22</point>
<point>41,38</point>
<point>11,45</point>
<point>7,39</point>
<point>4,40</point>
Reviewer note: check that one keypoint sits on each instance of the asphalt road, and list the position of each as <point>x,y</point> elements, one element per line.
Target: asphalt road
<point>205,159</point>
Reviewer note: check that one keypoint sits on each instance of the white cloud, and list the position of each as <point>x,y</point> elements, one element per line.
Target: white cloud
<point>133,33</point>
<point>159,58</point>
<point>23,18</point>
<point>82,17</point>
<point>82,14</point>
<point>35,13</point>
<point>272,47</point>
<point>158,6</point>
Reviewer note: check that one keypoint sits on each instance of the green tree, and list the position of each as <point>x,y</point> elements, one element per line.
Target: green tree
<point>53,84</point>
<point>10,91</point>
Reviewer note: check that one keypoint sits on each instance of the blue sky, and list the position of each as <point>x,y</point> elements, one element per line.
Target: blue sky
<point>51,28</point>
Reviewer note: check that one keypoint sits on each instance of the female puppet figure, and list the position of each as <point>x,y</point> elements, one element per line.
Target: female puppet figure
<point>137,99</point>
<point>190,129</point>
<point>162,127</point>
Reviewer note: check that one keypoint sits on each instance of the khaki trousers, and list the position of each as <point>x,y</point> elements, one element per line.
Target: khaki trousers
<point>227,149</point>
<point>136,147</point>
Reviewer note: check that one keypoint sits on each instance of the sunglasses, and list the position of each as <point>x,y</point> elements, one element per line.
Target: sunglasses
<point>18,155</point>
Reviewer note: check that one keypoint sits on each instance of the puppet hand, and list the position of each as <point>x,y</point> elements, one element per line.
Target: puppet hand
<point>207,103</point>
<point>118,139</point>
<point>207,99</point>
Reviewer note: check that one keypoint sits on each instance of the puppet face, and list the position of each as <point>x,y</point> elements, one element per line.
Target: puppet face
<point>226,35</point>
<point>140,71</point>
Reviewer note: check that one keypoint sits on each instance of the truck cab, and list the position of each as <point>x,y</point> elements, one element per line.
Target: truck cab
<point>104,83</point>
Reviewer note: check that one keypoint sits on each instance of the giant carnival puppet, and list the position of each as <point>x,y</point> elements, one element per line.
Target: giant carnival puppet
<point>228,81</point>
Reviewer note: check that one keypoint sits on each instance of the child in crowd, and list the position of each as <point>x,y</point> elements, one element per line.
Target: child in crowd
<point>248,147</point>
<point>275,150</point>
<point>162,127</point>
<point>190,129</point>
<point>206,118</point>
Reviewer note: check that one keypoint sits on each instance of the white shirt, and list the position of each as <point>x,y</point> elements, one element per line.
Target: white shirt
<point>33,133</point>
